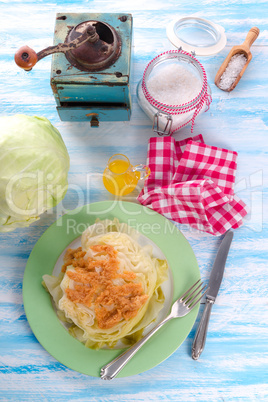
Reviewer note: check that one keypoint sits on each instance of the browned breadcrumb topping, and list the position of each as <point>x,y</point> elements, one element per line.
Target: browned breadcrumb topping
<point>94,284</point>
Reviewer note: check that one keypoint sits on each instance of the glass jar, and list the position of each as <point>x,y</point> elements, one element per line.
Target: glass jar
<point>176,75</point>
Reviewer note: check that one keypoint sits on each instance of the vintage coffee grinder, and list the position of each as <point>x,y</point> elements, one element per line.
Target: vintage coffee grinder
<point>90,72</point>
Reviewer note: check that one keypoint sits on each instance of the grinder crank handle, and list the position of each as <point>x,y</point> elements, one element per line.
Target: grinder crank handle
<point>26,58</point>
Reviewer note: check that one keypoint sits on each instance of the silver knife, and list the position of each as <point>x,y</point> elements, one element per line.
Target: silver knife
<point>213,288</point>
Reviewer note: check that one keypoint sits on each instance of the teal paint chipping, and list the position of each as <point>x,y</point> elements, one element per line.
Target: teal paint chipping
<point>104,94</point>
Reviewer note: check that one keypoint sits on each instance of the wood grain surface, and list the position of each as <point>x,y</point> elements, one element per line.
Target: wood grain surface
<point>234,364</point>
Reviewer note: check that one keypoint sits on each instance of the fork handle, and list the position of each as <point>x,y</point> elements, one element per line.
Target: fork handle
<point>201,333</point>
<point>111,369</point>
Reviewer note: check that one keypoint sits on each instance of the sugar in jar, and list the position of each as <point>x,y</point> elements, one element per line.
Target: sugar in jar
<point>173,91</point>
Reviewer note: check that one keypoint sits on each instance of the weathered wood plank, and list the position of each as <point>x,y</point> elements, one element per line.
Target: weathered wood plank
<point>234,365</point>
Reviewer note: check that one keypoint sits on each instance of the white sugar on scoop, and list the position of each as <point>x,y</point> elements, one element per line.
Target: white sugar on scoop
<point>174,85</point>
<point>232,70</point>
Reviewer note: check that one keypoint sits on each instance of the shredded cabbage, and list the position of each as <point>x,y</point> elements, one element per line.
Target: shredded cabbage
<point>150,272</point>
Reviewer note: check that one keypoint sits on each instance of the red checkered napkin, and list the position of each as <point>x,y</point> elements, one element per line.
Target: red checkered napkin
<point>193,183</point>
<point>163,156</point>
<point>201,161</point>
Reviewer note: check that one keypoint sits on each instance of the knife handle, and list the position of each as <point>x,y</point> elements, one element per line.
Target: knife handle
<point>201,333</point>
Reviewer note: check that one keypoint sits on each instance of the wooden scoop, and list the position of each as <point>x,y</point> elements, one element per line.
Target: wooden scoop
<point>241,49</point>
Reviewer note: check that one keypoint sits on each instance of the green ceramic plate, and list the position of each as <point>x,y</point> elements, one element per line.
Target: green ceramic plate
<point>45,256</point>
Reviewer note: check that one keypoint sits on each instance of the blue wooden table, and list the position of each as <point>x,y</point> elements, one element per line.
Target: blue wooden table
<point>234,365</point>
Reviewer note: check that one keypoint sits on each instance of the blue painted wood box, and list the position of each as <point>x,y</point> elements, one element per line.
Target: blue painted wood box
<point>94,96</point>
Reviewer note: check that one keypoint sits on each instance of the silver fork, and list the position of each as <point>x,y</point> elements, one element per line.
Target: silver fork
<point>180,308</point>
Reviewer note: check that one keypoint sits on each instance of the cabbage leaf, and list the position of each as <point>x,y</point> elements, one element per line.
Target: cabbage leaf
<point>34,164</point>
<point>150,271</point>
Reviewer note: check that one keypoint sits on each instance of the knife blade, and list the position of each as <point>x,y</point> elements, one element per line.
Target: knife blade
<point>213,288</point>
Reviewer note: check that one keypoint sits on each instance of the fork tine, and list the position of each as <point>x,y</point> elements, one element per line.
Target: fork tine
<point>191,295</point>
<point>187,291</point>
<point>190,306</point>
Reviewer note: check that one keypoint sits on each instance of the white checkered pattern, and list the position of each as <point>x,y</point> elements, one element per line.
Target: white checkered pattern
<point>193,183</point>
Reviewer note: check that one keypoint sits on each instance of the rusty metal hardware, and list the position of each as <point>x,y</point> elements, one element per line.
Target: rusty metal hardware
<point>90,76</point>
<point>94,122</point>
<point>99,54</point>
<point>26,58</point>
<point>83,48</point>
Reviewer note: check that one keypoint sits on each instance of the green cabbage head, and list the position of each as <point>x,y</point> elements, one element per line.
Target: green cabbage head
<point>34,164</point>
